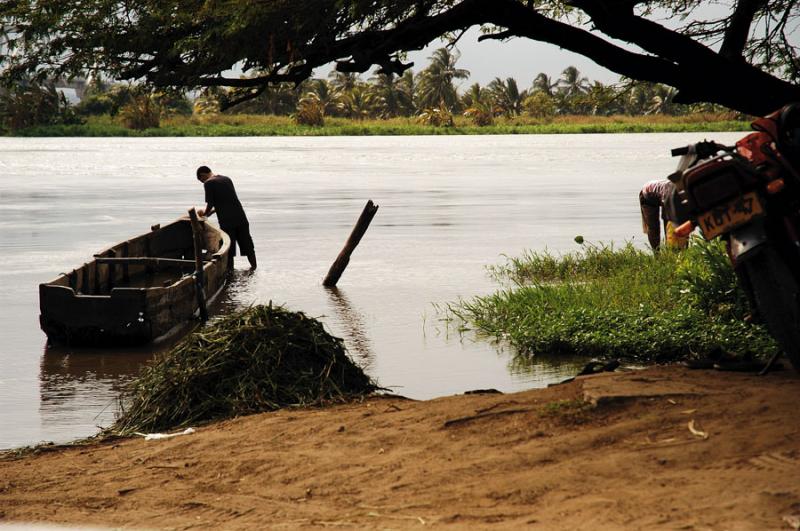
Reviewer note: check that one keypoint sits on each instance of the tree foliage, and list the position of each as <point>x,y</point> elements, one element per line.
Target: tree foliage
<point>30,104</point>
<point>507,96</point>
<point>743,58</point>
<point>436,83</point>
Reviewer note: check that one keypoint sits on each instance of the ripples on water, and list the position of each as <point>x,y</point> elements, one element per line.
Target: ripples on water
<point>449,206</point>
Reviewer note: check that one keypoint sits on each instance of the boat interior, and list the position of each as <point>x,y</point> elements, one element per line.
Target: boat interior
<point>159,258</point>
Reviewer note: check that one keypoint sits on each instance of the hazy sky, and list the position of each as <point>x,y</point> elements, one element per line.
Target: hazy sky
<point>521,59</point>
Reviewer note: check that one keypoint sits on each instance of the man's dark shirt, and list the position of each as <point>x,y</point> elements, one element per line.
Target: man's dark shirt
<point>221,196</point>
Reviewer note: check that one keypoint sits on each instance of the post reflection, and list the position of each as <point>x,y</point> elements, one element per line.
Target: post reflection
<point>352,324</point>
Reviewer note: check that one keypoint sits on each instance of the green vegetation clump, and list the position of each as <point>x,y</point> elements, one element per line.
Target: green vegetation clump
<point>141,112</point>
<point>623,302</point>
<point>260,359</point>
<point>310,111</point>
<point>30,104</point>
<point>436,117</point>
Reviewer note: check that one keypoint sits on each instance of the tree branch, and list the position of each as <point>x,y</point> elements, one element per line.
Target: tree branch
<point>738,28</point>
<point>497,36</point>
<point>523,22</point>
<point>364,49</point>
<point>225,105</point>
<point>704,74</point>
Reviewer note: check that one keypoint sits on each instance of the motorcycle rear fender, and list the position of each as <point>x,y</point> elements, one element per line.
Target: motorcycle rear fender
<point>744,240</point>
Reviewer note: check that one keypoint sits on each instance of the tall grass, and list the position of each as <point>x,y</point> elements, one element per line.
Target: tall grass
<point>260,125</point>
<point>622,302</point>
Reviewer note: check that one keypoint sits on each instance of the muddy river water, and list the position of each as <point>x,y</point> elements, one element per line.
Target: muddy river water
<point>449,206</point>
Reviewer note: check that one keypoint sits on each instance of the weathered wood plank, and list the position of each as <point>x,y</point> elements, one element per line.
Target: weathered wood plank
<point>145,260</point>
<point>343,259</point>
<point>197,237</point>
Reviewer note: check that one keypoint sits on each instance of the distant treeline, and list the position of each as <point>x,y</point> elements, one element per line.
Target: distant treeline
<point>432,95</point>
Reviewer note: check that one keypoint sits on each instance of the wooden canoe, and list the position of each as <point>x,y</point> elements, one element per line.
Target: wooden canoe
<point>137,291</point>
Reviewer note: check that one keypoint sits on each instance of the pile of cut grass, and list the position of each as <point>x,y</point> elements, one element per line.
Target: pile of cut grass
<point>623,303</point>
<point>261,359</point>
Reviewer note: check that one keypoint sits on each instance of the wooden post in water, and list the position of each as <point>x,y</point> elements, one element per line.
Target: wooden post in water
<point>343,259</point>
<point>198,265</point>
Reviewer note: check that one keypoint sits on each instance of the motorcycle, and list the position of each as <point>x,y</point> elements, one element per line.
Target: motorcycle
<point>749,195</point>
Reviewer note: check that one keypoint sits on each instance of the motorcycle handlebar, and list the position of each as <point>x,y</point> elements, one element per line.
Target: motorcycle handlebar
<point>702,149</point>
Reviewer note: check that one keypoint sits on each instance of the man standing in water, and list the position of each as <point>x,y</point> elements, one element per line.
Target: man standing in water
<point>221,198</point>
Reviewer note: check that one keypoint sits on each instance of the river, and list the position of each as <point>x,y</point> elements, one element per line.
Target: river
<point>449,207</point>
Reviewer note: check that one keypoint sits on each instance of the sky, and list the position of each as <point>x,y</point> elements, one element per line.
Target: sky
<point>521,59</point>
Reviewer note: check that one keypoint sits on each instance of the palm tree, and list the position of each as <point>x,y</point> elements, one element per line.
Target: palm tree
<point>358,103</point>
<point>603,100</point>
<point>662,101</point>
<point>640,97</point>
<point>342,84</point>
<point>474,95</point>
<point>389,95</point>
<point>436,82</point>
<point>407,84</point>
<point>322,89</point>
<point>343,81</point>
<point>543,83</point>
<point>506,96</point>
<point>572,83</point>
<point>478,105</point>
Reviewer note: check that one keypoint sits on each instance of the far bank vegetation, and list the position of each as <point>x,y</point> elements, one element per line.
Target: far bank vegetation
<point>433,97</point>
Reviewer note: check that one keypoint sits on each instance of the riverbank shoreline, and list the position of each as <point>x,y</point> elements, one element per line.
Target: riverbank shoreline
<point>658,448</point>
<point>260,125</point>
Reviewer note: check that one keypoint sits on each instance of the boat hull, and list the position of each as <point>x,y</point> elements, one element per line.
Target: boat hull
<point>118,301</point>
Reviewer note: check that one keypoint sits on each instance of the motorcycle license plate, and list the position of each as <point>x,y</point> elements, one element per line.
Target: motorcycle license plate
<point>724,218</point>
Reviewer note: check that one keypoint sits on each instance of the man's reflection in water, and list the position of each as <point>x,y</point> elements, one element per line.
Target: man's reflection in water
<point>352,324</point>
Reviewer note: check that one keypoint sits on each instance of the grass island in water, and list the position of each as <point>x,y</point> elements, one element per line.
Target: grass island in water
<point>625,303</point>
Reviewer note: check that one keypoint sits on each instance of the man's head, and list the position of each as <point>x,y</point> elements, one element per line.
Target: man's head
<point>203,173</point>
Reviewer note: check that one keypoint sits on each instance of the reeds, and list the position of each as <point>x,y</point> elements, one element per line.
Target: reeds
<point>260,359</point>
<point>618,302</point>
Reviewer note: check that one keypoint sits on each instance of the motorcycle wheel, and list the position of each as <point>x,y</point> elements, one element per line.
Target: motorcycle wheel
<point>777,296</point>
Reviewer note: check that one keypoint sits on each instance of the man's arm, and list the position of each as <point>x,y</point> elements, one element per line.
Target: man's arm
<point>209,209</point>
<point>652,224</point>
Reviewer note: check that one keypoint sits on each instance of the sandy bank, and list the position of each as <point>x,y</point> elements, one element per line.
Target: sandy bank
<point>546,459</point>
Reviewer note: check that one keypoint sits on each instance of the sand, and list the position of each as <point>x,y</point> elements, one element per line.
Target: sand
<point>612,451</point>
